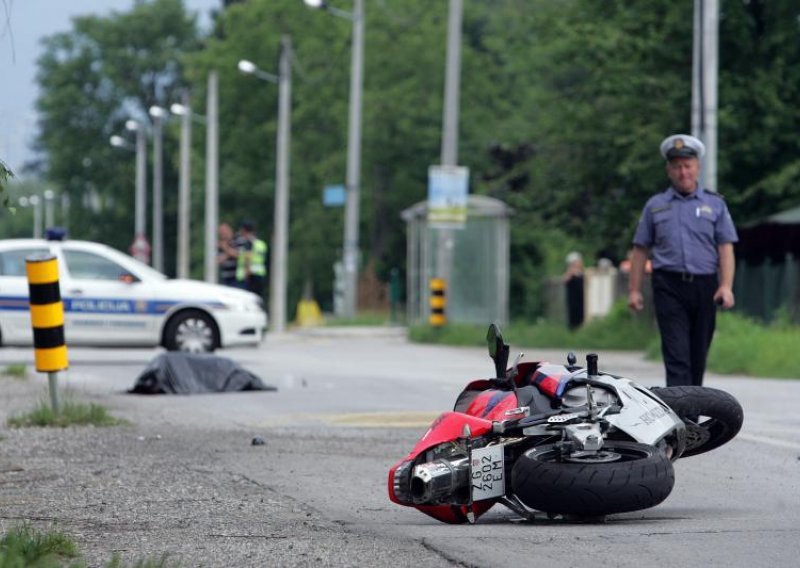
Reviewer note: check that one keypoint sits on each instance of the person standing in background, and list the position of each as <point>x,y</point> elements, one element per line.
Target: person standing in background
<point>251,268</point>
<point>573,283</point>
<point>691,234</point>
<point>227,255</point>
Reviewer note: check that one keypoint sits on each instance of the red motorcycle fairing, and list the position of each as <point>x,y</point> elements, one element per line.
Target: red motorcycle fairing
<point>447,427</point>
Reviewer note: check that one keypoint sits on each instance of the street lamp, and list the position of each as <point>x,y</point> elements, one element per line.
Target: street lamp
<point>141,181</point>
<point>185,112</point>
<point>49,196</point>
<point>139,247</point>
<point>212,176</point>
<point>353,181</point>
<point>36,203</point>
<point>277,289</point>
<point>158,115</point>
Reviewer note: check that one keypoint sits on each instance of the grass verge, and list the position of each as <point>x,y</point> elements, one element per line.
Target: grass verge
<point>25,546</point>
<point>621,329</point>
<point>73,413</point>
<point>16,370</point>
<point>740,346</point>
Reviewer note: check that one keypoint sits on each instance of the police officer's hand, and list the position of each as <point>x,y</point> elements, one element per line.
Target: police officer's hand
<point>723,297</point>
<point>635,301</point>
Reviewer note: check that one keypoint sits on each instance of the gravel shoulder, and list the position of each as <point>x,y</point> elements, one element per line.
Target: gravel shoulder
<point>201,497</point>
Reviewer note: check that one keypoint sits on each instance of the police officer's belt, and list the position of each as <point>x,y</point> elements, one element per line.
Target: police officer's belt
<point>684,276</point>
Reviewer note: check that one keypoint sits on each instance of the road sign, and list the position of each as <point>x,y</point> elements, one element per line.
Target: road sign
<point>447,196</point>
<point>334,196</point>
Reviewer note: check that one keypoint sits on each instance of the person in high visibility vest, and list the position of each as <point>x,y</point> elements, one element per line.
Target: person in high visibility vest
<point>251,268</point>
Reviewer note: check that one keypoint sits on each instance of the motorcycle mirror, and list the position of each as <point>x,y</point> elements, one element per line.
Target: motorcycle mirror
<point>498,350</point>
<point>571,359</point>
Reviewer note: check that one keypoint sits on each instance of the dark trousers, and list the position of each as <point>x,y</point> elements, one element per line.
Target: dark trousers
<point>686,316</point>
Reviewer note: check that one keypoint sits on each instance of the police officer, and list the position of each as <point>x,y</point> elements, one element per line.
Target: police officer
<point>691,235</point>
<point>251,268</point>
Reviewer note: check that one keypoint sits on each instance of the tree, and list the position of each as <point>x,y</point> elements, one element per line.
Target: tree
<point>92,79</point>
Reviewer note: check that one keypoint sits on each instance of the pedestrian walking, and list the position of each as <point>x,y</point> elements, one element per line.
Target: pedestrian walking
<point>690,232</point>
<point>251,268</point>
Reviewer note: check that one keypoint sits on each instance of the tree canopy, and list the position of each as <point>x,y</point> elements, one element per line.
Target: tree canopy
<point>563,105</point>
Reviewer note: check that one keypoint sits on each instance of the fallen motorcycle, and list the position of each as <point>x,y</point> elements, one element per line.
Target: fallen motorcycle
<point>558,439</point>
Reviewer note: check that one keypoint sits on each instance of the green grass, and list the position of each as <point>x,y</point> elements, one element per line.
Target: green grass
<point>744,346</point>
<point>73,413</point>
<point>16,370</point>
<point>24,546</point>
<point>619,330</point>
<point>740,346</point>
<point>365,319</point>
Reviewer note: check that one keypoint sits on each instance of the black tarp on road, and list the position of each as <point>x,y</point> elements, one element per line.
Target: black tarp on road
<point>188,373</point>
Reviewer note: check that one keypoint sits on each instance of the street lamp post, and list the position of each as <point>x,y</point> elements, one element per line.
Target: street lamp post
<point>353,180</point>
<point>34,202</point>
<point>141,188</point>
<point>159,115</point>
<point>212,178</point>
<point>184,111</point>
<point>278,268</point>
<point>139,248</point>
<point>49,217</point>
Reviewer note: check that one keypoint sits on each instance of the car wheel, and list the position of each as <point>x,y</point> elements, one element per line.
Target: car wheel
<point>192,331</point>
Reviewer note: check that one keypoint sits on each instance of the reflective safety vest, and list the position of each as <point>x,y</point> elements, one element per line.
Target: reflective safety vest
<point>258,260</point>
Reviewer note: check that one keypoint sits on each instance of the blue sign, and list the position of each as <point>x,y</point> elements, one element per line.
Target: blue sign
<point>334,196</point>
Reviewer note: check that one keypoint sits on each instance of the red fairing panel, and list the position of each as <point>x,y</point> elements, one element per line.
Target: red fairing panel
<point>448,427</point>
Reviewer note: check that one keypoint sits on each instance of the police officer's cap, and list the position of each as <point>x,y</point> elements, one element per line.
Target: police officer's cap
<point>247,224</point>
<point>682,146</point>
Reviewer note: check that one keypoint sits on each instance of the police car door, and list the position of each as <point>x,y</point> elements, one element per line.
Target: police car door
<point>15,317</point>
<point>104,303</point>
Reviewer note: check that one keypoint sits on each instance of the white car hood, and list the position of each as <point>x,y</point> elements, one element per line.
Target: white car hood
<point>193,290</point>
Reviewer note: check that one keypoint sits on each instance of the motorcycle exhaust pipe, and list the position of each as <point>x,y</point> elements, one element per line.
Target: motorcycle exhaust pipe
<point>435,480</point>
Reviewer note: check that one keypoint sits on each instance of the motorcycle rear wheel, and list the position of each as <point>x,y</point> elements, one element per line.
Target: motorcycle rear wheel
<point>713,417</point>
<point>641,477</point>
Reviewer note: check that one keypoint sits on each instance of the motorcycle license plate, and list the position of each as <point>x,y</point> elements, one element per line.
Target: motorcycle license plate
<point>488,473</point>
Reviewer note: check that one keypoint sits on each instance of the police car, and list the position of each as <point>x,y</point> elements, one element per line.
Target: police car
<point>110,298</point>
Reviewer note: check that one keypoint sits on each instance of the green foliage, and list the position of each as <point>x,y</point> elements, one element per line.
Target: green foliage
<point>562,107</point>
<point>16,370</point>
<point>23,546</point>
<point>93,78</point>
<point>619,330</point>
<point>72,413</point>
<point>5,174</point>
<point>742,345</point>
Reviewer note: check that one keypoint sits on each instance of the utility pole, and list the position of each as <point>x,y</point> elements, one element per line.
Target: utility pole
<point>158,114</point>
<point>184,189</point>
<point>278,268</point>
<point>212,178</point>
<point>705,70</point>
<point>353,179</point>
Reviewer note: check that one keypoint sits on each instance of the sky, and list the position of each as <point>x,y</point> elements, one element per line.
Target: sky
<point>23,24</point>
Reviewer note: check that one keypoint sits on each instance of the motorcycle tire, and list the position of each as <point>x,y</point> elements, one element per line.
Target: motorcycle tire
<point>713,417</point>
<point>641,477</point>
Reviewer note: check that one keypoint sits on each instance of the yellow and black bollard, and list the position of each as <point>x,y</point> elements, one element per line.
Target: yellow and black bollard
<point>438,302</point>
<point>47,319</point>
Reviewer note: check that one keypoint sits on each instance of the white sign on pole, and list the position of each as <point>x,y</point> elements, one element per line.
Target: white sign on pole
<point>447,196</point>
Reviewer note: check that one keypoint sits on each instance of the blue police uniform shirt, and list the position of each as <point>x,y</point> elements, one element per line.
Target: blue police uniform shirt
<point>684,232</point>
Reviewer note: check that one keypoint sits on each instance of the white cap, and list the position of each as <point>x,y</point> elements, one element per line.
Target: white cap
<point>682,146</point>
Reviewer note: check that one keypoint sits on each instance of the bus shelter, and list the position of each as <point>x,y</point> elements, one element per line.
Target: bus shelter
<point>476,262</point>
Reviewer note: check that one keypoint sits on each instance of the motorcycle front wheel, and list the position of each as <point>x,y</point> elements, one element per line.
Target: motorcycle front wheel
<point>713,417</point>
<point>623,476</point>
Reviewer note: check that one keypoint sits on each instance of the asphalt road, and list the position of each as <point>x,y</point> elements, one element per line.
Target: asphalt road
<point>183,478</point>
